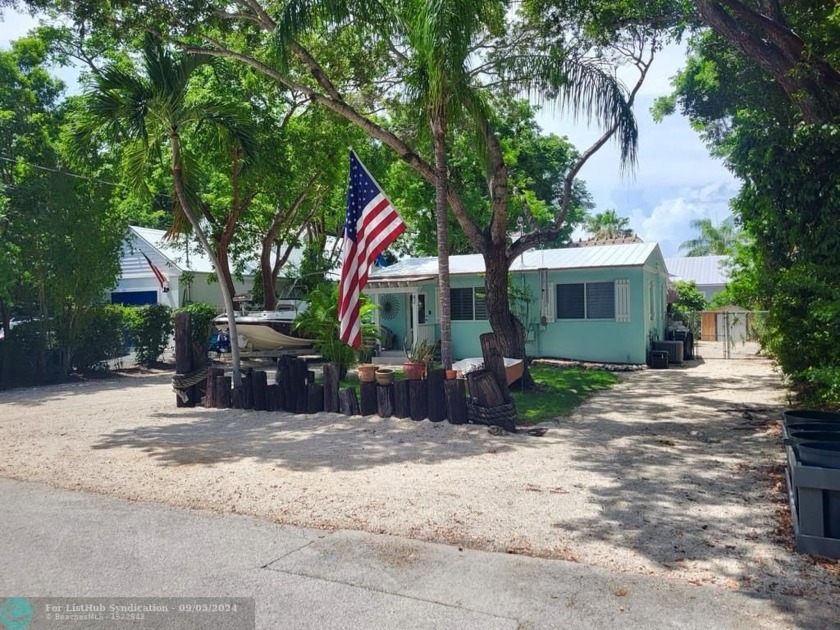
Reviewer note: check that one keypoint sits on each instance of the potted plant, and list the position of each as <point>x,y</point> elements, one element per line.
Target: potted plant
<point>367,372</point>
<point>418,356</point>
<point>320,323</point>
<point>384,376</point>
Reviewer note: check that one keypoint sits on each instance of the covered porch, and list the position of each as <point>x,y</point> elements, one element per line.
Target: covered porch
<point>406,314</point>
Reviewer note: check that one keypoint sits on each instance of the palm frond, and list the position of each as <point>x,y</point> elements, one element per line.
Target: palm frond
<point>585,89</point>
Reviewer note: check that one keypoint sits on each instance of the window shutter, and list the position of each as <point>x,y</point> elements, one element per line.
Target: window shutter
<point>480,303</point>
<point>622,300</point>
<point>547,306</point>
<point>461,304</point>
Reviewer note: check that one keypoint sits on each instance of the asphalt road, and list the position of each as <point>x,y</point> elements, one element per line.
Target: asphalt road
<point>59,543</point>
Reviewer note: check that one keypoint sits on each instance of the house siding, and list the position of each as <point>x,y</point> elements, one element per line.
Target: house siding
<point>625,338</point>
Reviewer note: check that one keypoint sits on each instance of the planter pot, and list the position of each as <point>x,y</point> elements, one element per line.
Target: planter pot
<point>367,373</point>
<point>821,427</point>
<point>414,371</point>
<point>818,437</point>
<point>822,454</point>
<point>384,376</point>
<point>809,415</point>
<point>451,374</point>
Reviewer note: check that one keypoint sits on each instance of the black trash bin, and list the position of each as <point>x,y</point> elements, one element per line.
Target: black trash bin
<point>659,359</point>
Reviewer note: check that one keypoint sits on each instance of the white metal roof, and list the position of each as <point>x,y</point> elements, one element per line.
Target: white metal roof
<point>703,270</point>
<point>627,255</point>
<point>197,261</point>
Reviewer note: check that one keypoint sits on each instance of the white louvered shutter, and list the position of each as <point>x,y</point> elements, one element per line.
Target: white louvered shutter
<point>622,300</point>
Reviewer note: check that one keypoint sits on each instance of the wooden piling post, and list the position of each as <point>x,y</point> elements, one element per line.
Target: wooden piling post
<point>271,397</point>
<point>224,391</point>
<point>314,398</point>
<point>456,400</point>
<point>437,401</point>
<point>259,382</point>
<point>368,398</point>
<point>348,404</point>
<point>418,396</point>
<point>331,380</point>
<point>385,400</point>
<point>402,408</point>
<point>494,362</point>
<point>184,356</point>
<point>248,388</point>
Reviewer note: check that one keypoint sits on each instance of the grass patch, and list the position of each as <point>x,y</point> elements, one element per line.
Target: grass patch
<point>559,391</point>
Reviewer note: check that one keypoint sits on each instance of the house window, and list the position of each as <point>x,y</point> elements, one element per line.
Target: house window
<point>468,304</point>
<point>585,300</point>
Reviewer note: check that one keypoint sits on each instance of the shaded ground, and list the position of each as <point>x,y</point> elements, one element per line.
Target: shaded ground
<point>671,473</point>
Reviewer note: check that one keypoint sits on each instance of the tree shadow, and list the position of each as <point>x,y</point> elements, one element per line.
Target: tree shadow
<point>689,493</point>
<point>34,396</point>
<point>306,443</point>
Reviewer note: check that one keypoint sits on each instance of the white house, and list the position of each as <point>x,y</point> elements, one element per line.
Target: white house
<point>710,273</point>
<point>186,274</point>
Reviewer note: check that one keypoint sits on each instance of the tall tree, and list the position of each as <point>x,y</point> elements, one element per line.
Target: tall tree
<point>365,68</point>
<point>149,111</point>
<point>712,240</point>
<point>59,234</point>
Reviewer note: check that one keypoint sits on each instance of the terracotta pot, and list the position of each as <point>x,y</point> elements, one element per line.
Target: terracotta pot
<point>384,376</point>
<point>451,374</point>
<point>414,371</point>
<point>367,373</point>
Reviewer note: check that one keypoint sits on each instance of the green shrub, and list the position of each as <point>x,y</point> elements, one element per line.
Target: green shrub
<point>201,321</point>
<point>103,336</point>
<point>320,323</point>
<point>151,331</point>
<point>820,386</point>
<point>24,355</point>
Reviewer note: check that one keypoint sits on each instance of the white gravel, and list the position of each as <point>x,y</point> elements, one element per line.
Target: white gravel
<point>671,472</point>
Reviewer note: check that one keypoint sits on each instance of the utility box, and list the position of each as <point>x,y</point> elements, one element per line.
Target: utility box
<point>659,359</point>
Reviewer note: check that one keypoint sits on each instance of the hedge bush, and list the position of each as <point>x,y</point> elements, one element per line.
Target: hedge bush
<point>150,332</point>
<point>201,321</point>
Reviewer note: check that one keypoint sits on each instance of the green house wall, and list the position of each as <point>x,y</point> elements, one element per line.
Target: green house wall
<point>586,340</point>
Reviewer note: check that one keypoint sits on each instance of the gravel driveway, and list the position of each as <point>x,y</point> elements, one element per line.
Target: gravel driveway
<point>674,472</point>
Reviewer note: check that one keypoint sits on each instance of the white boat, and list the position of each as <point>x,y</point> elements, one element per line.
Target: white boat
<point>514,368</point>
<point>269,330</point>
<point>262,337</point>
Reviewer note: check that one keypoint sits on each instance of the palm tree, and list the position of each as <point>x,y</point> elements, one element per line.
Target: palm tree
<point>439,35</point>
<point>712,240</point>
<point>149,111</point>
<point>608,224</point>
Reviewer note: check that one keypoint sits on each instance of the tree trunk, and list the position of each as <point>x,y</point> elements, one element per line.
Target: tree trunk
<point>180,191</point>
<point>444,305</point>
<point>508,329</point>
<point>811,83</point>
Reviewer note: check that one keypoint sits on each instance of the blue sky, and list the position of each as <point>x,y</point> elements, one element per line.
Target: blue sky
<point>675,182</point>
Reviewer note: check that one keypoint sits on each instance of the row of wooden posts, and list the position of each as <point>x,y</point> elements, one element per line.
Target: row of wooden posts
<point>294,390</point>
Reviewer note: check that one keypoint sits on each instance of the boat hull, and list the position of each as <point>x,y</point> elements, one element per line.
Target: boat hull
<point>514,368</point>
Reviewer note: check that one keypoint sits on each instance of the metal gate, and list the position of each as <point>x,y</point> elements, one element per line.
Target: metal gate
<point>729,333</point>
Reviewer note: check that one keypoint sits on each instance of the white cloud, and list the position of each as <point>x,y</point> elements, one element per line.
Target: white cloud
<point>669,223</point>
<point>676,180</point>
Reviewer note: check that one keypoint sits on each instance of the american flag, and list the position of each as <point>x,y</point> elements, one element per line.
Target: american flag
<point>158,273</point>
<point>372,224</point>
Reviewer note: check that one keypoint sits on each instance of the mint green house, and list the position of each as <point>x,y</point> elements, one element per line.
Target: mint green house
<point>600,303</point>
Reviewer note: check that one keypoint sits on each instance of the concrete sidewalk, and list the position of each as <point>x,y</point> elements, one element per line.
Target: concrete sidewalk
<point>69,544</point>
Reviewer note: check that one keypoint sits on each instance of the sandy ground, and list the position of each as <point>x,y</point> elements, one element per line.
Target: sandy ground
<point>675,473</point>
